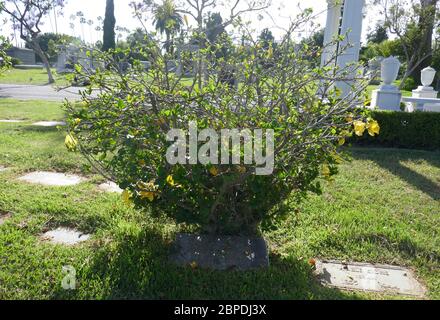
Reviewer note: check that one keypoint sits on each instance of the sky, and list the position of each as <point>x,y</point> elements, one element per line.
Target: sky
<point>280,12</point>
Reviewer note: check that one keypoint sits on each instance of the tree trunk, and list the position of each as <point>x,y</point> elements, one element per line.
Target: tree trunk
<point>426,27</point>
<point>36,46</point>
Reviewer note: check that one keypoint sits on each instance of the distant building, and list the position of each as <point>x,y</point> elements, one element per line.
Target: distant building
<point>26,56</point>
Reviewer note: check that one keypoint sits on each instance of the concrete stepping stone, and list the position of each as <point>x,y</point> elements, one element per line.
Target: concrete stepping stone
<point>110,187</point>
<point>65,236</point>
<point>52,179</point>
<point>369,277</point>
<point>3,169</point>
<point>49,123</point>
<point>11,121</point>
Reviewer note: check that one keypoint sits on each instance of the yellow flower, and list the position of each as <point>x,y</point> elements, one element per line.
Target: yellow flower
<point>241,169</point>
<point>270,52</point>
<point>142,163</point>
<point>359,128</point>
<point>77,121</point>
<point>325,171</point>
<point>70,142</point>
<point>126,197</point>
<point>337,158</point>
<point>170,181</point>
<point>341,141</point>
<point>373,128</point>
<point>214,171</point>
<point>147,195</point>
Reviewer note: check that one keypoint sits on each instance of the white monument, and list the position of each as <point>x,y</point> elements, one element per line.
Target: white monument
<point>424,98</point>
<point>388,96</point>
<point>425,90</point>
<point>344,18</point>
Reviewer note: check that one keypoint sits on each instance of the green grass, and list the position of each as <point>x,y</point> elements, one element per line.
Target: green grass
<point>35,110</point>
<point>370,89</point>
<point>30,77</point>
<point>383,208</point>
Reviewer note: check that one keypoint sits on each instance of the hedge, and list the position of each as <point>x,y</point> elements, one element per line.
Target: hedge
<point>418,130</point>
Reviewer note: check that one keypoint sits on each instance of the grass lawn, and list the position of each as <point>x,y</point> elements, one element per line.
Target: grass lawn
<point>32,76</point>
<point>384,208</point>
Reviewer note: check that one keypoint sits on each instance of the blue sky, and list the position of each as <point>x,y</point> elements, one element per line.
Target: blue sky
<point>280,11</point>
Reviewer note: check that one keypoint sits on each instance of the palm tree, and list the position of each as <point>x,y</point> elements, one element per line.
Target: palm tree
<point>167,20</point>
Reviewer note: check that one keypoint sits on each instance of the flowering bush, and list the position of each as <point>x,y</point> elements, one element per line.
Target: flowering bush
<point>123,129</point>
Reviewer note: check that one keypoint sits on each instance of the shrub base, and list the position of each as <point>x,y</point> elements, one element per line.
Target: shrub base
<point>220,252</point>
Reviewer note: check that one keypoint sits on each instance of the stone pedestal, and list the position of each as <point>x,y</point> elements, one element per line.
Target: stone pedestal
<point>387,98</point>
<point>425,92</point>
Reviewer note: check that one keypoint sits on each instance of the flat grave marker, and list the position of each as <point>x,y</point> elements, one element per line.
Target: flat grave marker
<point>11,121</point>
<point>65,236</point>
<point>369,277</point>
<point>110,187</point>
<point>49,124</point>
<point>52,179</point>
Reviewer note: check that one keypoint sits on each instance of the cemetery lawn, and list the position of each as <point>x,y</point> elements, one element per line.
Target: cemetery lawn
<point>31,77</point>
<point>384,207</point>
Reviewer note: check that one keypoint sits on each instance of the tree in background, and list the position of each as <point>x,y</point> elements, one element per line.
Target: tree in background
<point>199,11</point>
<point>214,26</point>
<point>266,38</point>
<point>378,35</point>
<point>413,22</point>
<point>5,60</point>
<point>315,40</point>
<point>26,16</point>
<point>167,20</point>
<point>49,41</point>
<point>109,38</point>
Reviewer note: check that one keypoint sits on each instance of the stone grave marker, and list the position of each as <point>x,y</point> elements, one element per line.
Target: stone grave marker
<point>49,124</point>
<point>65,236</point>
<point>369,277</point>
<point>52,179</point>
<point>110,187</point>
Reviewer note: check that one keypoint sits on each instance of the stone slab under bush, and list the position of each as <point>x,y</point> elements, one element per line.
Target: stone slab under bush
<point>49,123</point>
<point>220,252</point>
<point>52,179</point>
<point>65,236</point>
<point>369,277</point>
<point>110,187</point>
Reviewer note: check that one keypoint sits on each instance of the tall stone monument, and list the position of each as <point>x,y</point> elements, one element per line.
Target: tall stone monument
<point>344,18</point>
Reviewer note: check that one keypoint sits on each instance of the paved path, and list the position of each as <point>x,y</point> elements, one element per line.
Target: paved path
<point>32,92</point>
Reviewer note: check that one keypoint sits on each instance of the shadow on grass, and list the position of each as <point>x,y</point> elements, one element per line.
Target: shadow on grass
<point>41,129</point>
<point>137,267</point>
<point>390,159</point>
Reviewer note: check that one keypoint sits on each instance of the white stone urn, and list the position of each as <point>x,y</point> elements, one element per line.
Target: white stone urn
<point>389,71</point>
<point>428,75</point>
